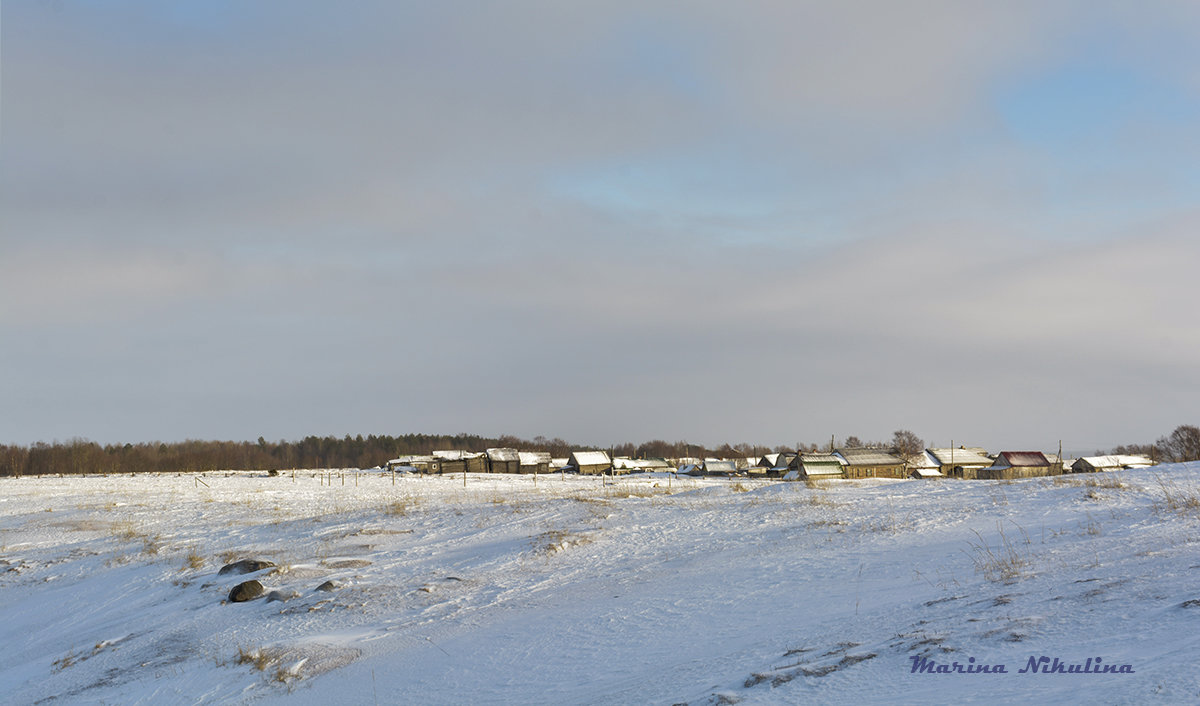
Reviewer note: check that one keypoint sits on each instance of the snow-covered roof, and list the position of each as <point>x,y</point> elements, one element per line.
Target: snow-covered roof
<point>820,458</point>
<point>454,455</point>
<point>927,473</point>
<point>924,460</point>
<point>503,455</point>
<point>1015,459</point>
<point>533,458</point>
<point>869,457</point>
<point>960,457</point>
<point>1116,461</point>
<point>406,460</point>
<point>589,458</point>
<point>718,465</point>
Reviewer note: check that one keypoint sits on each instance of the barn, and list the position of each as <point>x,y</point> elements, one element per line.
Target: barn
<point>503,461</point>
<point>589,462</point>
<point>534,461</point>
<point>461,461</point>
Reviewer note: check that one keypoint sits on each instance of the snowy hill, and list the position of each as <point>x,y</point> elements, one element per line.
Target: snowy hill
<point>577,590</point>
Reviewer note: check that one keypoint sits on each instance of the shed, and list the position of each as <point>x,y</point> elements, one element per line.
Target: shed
<point>534,461</point>
<point>589,462</point>
<point>1093,464</point>
<point>503,461</point>
<point>871,463</point>
<point>423,464</point>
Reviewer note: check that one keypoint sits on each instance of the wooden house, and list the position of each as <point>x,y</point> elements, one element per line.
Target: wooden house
<point>641,465</point>
<point>503,461</point>
<point>962,462</point>
<point>814,466</point>
<point>719,467</point>
<point>589,462</point>
<point>534,461</point>
<point>871,463</point>
<point>461,461</point>
<point>1019,464</point>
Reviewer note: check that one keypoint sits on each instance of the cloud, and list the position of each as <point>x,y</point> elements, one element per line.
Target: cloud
<point>760,221</point>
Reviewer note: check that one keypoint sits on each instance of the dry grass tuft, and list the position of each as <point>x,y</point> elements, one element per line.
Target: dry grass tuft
<point>1004,564</point>
<point>193,560</point>
<point>1179,500</point>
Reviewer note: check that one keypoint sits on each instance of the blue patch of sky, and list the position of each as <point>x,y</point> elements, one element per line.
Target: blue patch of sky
<point>716,195</point>
<point>1106,127</point>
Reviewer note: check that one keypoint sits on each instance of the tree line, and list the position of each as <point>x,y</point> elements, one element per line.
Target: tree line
<point>80,456</point>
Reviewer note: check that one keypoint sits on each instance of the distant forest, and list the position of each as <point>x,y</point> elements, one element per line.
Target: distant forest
<point>82,456</point>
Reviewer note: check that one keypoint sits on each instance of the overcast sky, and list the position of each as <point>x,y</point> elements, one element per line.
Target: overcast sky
<point>769,222</point>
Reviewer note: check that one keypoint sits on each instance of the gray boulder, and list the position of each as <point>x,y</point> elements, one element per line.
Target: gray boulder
<point>245,566</point>
<point>245,591</point>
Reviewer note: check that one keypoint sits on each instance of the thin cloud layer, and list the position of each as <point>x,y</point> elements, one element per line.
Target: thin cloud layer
<point>766,222</point>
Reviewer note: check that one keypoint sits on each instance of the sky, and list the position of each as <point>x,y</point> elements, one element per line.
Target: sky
<point>762,222</point>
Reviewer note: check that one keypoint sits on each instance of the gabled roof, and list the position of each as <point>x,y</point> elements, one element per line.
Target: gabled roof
<point>926,473</point>
<point>924,461</point>
<point>455,455</point>
<point>1016,459</point>
<point>820,458</point>
<point>533,458</point>
<point>961,457</point>
<point>589,458</point>
<point>406,460</point>
<point>869,457</point>
<point>719,465</point>
<point>503,455</point>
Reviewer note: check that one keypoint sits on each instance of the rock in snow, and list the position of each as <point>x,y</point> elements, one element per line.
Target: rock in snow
<point>245,566</point>
<point>245,591</point>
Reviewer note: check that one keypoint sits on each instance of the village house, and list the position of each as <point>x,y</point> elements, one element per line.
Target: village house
<point>534,461</point>
<point>961,462</point>
<point>589,462</point>
<point>719,467</point>
<point>503,461</point>
<point>815,466</point>
<point>1019,464</point>
<point>641,465</point>
<point>870,463</point>
<point>461,461</point>
<point>924,465</point>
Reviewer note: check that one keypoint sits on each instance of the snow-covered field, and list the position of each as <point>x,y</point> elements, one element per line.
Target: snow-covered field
<point>571,590</point>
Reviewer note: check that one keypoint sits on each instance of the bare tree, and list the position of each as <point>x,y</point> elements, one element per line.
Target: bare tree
<point>908,445</point>
<point>1182,445</point>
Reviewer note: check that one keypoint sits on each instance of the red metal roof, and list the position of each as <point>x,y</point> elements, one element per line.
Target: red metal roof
<point>1022,458</point>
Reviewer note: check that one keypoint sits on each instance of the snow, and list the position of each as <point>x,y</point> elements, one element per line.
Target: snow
<point>570,589</point>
